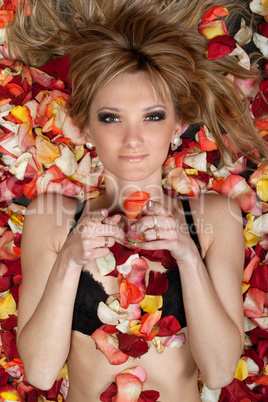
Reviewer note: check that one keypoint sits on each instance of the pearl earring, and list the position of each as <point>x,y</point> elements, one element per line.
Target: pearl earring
<point>89,145</point>
<point>176,142</point>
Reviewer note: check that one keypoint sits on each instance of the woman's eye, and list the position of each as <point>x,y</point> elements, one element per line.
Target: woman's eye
<point>155,116</point>
<point>108,118</point>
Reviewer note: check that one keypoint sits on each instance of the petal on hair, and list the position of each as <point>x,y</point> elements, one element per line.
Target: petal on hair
<point>263,28</point>
<point>6,17</point>
<point>205,140</point>
<point>259,7</point>
<point>215,12</point>
<point>212,29</point>
<point>219,47</point>
<point>46,80</point>
<point>261,42</point>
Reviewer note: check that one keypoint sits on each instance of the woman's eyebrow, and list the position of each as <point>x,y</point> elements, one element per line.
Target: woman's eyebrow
<point>113,109</point>
<point>154,107</point>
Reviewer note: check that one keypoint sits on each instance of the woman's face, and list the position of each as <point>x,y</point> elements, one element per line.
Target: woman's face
<point>131,128</point>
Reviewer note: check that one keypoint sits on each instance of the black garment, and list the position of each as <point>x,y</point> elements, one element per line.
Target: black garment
<point>90,292</point>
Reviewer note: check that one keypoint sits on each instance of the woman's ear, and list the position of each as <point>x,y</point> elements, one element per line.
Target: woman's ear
<point>176,140</point>
<point>89,141</point>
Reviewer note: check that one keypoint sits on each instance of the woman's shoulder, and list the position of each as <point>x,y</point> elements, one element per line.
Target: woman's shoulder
<point>52,215</point>
<point>215,217</point>
<point>214,206</point>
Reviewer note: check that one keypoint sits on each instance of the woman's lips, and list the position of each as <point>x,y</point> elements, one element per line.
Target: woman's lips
<point>134,158</point>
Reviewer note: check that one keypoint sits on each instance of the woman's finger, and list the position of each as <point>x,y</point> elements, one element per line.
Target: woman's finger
<point>155,208</point>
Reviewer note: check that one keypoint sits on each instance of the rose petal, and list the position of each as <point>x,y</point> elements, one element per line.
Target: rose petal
<point>107,344</point>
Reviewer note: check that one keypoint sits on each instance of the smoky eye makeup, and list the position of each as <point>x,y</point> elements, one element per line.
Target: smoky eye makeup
<point>156,116</point>
<point>107,117</point>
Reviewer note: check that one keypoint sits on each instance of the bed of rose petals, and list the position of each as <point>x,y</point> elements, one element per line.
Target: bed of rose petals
<point>41,151</point>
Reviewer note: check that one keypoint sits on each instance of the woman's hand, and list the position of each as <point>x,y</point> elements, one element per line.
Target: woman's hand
<point>163,232</point>
<point>92,237</point>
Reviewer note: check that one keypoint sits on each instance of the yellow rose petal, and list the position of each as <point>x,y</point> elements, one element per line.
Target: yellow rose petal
<point>21,113</point>
<point>215,29</point>
<point>251,240</point>
<point>9,396</point>
<point>265,4</point>
<point>191,172</point>
<point>7,307</point>
<point>262,189</point>
<point>241,371</point>
<point>63,373</point>
<point>46,152</point>
<point>245,287</point>
<point>151,304</point>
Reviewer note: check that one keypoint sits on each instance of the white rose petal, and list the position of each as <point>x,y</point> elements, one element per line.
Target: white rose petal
<point>257,7</point>
<point>126,267</point>
<point>106,264</point>
<point>18,168</point>
<point>262,43</point>
<point>197,161</point>
<point>66,162</point>
<point>210,395</point>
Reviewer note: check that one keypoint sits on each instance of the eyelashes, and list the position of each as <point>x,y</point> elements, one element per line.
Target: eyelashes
<point>156,116</point>
<point>105,117</point>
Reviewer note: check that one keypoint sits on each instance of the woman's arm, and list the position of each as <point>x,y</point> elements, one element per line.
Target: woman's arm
<point>213,296</point>
<point>51,267</point>
<point>211,291</point>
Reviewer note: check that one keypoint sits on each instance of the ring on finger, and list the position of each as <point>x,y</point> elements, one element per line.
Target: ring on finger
<point>157,233</point>
<point>155,221</point>
<point>106,241</point>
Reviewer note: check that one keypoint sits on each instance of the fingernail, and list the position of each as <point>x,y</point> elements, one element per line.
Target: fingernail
<point>150,203</point>
<point>103,212</point>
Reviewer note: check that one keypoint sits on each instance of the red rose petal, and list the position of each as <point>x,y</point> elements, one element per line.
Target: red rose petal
<point>214,12</point>
<point>132,345</point>
<point>109,393</point>
<point>220,46</point>
<point>158,283</point>
<point>169,325</point>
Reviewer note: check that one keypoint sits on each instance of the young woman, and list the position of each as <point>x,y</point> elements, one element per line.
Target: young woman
<point>139,74</point>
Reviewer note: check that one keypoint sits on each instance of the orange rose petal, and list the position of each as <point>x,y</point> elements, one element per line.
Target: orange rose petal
<point>135,203</point>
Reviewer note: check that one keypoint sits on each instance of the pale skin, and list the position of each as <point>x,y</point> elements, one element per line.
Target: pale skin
<point>131,130</point>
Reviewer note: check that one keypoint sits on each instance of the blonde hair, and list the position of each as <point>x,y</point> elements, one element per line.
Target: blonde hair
<point>107,38</point>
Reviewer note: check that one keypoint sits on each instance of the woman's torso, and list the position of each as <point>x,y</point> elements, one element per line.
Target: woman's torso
<point>172,373</point>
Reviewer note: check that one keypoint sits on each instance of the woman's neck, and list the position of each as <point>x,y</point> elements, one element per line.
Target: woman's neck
<point>118,190</point>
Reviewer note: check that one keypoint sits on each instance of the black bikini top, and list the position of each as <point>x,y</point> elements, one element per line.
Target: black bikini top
<point>90,292</point>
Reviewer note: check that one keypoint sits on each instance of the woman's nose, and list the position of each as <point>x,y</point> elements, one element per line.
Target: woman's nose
<point>133,137</point>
